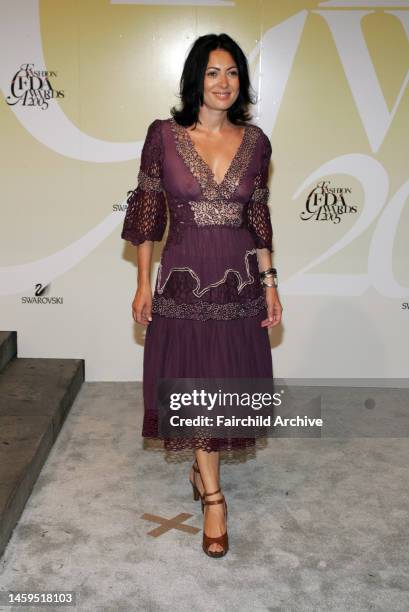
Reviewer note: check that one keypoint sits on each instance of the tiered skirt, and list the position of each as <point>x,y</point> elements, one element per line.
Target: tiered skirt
<point>188,348</point>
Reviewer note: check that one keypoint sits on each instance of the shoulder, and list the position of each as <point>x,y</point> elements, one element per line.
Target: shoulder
<point>160,128</point>
<point>158,123</point>
<point>265,141</point>
<point>262,140</point>
<point>154,132</point>
<point>155,125</point>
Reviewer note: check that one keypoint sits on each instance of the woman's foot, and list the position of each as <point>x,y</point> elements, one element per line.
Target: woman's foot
<point>214,521</point>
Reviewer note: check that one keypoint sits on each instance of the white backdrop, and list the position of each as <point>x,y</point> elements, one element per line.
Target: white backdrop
<point>333,98</point>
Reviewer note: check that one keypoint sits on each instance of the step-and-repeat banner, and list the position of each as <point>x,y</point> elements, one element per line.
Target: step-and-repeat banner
<point>82,79</point>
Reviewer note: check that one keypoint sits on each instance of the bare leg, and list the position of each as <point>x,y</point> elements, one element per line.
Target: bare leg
<point>214,518</point>
<point>197,479</point>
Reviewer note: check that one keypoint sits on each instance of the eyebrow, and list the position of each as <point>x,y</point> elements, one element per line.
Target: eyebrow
<point>216,68</point>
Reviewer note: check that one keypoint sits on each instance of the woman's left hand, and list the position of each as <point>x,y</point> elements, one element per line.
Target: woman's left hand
<point>274,308</point>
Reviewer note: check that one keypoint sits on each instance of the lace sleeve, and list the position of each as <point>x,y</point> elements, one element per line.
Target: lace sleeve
<point>258,214</point>
<point>146,214</point>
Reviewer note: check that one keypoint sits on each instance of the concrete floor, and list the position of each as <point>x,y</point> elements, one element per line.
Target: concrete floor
<point>314,524</point>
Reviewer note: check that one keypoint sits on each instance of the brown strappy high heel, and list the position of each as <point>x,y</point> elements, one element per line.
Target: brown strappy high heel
<point>222,540</point>
<point>196,492</point>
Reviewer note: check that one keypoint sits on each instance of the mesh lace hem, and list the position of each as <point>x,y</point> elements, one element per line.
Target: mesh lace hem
<point>201,440</point>
<point>228,455</point>
<point>225,445</point>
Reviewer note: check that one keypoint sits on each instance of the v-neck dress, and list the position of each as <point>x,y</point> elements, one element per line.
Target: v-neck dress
<point>208,301</point>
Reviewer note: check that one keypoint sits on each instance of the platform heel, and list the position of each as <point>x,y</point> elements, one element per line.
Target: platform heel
<point>222,540</point>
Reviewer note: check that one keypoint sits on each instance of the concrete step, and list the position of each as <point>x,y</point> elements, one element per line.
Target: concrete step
<point>8,347</point>
<point>35,398</point>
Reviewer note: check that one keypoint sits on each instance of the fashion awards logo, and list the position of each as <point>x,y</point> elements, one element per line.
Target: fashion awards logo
<point>31,87</point>
<point>326,203</point>
<point>40,296</point>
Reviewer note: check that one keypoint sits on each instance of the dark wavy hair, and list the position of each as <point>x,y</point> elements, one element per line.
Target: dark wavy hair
<point>191,81</point>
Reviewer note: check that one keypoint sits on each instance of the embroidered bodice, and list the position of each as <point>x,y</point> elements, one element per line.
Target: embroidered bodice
<point>208,267</point>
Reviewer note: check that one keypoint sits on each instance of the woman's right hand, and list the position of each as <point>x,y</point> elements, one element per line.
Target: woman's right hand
<point>142,305</point>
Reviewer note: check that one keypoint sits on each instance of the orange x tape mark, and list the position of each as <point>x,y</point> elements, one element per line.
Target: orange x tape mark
<point>168,524</point>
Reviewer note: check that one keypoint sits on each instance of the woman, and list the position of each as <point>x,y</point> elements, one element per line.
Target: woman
<point>215,294</point>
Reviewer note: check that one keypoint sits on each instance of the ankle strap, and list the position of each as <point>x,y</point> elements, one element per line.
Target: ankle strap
<point>215,501</point>
<point>205,494</point>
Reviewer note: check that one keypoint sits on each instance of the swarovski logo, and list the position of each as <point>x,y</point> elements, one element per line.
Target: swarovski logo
<point>41,297</point>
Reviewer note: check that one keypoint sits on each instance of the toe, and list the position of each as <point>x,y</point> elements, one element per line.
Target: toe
<point>215,548</point>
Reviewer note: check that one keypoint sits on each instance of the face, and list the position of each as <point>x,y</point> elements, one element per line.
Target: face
<point>221,84</point>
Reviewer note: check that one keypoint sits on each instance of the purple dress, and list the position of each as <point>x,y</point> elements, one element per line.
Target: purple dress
<point>208,301</point>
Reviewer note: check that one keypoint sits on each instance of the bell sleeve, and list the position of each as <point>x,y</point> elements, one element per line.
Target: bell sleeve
<point>258,219</point>
<point>146,213</point>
